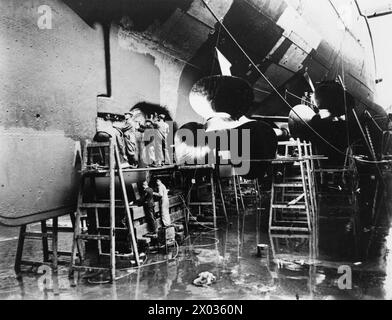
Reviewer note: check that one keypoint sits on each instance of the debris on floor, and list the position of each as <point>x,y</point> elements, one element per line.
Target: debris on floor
<point>205,279</point>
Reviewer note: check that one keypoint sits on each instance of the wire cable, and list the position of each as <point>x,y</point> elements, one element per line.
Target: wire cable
<point>216,241</point>
<point>268,81</point>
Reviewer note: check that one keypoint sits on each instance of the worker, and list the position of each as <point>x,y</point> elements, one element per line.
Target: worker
<point>161,141</point>
<point>106,131</point>
<point>147,201</point>
<point>129,135</point>
<point>148,146</point>
<point>164,210</point>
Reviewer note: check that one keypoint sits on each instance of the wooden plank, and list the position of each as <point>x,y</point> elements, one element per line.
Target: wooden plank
<point>108,228</point>
<point>87,268</point>
<point>37,235</point>
<point>94,237</point>
<point>19,251</point>
<point>177,215</point>
<point>286,206</point>
<point>92,205</point>
<point>146,240</point>
<point>200,203</point>
<point>62,229</point>
<point>55,244</point>
<point>288,185</point>
<point>137,212</point>
<point>45,246</point>
<point>291,222</point>
<point>127,210</point>
<point>141,230</point>
<point>62,253</point>
<point>289,229</point>
<point>112,213</point>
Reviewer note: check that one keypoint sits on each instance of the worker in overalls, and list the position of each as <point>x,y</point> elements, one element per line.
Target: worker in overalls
<point>147,201</point>
<point>148,152</point>
<point>129,131</point>
<point>106,131</point>
<point>164,208</point>
<point>161,141</point>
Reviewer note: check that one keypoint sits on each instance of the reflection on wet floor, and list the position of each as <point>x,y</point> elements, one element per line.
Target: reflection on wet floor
<point>286,267</point>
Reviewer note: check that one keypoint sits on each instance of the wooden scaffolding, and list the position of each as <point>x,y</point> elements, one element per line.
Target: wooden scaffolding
<point>111,167</point>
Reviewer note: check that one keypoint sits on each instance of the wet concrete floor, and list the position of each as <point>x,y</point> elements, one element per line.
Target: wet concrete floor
<point>292,267</point>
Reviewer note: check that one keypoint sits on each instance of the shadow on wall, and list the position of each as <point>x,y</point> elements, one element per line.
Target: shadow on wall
<point>143,13</point>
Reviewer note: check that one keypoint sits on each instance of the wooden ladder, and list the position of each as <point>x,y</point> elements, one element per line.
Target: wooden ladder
<point>91,170</point>
<point>293,201</point>
<point>214,182</point>
<point>238,192</point>
<point>250,183</point>
<point>50,257</point>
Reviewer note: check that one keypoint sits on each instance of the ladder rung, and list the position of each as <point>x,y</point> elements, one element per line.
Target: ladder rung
<point>200,203</point>
<point>86,268</point>
<point>96,172</point>
<point>333,170</point>
<point>37,235</point>
<point>286,206</point>
<point>299,178</point>
<point>288,185</point>
<point>289,229</point>
<point>61,253</point>
<point>296,215</point>
<point>120,255</point>
<point>291,221</point>
<point>108,228</point>
<point>61,229</point>
<point>98,205</point>
<point>93,237</point>
<point>201,223</point>
<point>34,263</point>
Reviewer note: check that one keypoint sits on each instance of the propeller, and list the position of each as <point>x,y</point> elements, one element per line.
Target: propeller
<point>221,96</point>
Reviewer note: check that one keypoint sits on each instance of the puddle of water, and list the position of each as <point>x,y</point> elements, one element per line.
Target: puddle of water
<point>289,267</point>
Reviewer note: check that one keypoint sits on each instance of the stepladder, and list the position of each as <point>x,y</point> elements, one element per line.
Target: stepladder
<point>49,236</point>
<point>101,217</point>
<point>293,203</point>
<point>203,187</point>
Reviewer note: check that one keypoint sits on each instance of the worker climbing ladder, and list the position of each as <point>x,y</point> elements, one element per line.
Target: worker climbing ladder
<point>293,192</point>
<point>91,170</point>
